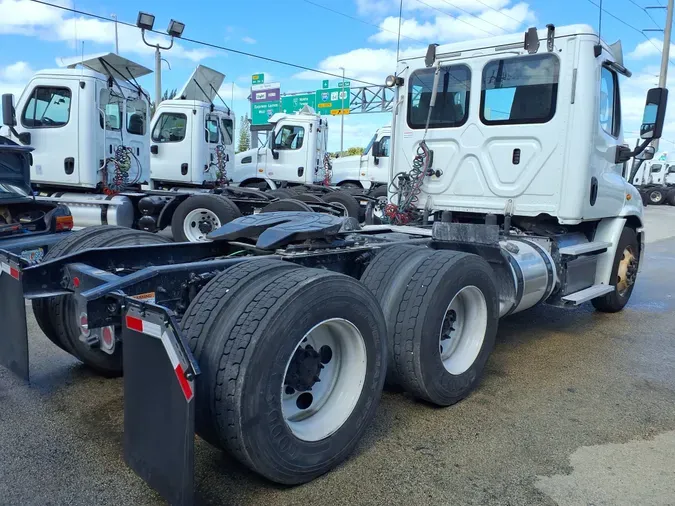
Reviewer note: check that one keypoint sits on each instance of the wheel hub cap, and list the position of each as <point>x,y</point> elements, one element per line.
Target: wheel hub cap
<point>304,369</point>
<point>627,271</point>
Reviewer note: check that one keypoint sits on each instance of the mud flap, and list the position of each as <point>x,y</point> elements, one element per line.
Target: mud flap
<point>14,335</point>
<point>159,403</point>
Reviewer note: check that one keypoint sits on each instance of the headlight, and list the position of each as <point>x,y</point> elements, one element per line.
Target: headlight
<point>392,81</point>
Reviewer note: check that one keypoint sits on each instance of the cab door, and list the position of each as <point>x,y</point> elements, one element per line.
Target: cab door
<point>171,147</point>
<point>49,112</point>
<point>377,167</point>
<point>289,145</point>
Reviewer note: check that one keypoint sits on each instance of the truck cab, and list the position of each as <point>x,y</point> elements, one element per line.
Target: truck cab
<point>88,125</point>
<point>523,129</point>
<point>192,140</point>
<point>368,169</point>
<point>295,153</point>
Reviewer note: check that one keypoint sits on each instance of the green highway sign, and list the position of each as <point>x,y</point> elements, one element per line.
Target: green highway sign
<point>344,84</point>
<point>325,84</point>
<point>333,101</point>
<point>294,103</point>
<point>261,112</point>
<point>258,79</point>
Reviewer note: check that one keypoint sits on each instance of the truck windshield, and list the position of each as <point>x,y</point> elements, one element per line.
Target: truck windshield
<point>452,101</point>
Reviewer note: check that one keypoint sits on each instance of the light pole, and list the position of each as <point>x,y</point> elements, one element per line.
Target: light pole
<point>342,114</point>
<point>145,22</point>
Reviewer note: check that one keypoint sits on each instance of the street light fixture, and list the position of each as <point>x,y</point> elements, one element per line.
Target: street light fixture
<point>175,28</point>
<point>145,22</point>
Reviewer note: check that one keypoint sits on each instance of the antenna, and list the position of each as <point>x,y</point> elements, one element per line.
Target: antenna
<point>398,40</point>
<point>597,50</point>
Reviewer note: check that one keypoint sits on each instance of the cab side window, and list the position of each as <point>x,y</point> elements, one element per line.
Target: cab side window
<point>211,131</point>
<point>48,107</point>
<point>610,106</point>
<point>170,127</point>
<point>384,145</point>
<point>290,137</point>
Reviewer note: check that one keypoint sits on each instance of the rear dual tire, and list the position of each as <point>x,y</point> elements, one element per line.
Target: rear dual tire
<point>254,400</point>
<point>420,292</point>
<point>200,214</point>
<point>58,317</point>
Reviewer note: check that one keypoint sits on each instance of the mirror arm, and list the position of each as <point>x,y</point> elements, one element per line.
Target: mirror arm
<point>637,163</point>
<point>16,134</point>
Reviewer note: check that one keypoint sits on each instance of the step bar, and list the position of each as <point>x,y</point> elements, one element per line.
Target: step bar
<point>584,248</point>
<point>587,294</point>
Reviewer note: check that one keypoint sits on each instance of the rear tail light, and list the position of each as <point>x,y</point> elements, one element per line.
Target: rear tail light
<point>64,223</point>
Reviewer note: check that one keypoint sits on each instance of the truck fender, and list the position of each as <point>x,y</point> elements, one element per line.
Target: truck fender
<point>609,230</point>
<point>166,214</point>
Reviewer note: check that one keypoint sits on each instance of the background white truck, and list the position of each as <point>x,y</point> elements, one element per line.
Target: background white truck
<point>89,125</point>
<point>369,170</point>
<point>656,182</point>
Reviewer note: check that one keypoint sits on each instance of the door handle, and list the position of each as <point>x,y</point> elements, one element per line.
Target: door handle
<point>184,169</point>
<point>69,165</point>
<point>154,149</point>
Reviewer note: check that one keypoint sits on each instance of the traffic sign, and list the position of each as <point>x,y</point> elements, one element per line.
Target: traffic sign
<point>261,112</point>
<point>271,95</point>
<point>332,99</point>
<point>326,84</point>
<point>258,79</point>
<point>294,103</point>
<point>339,112</point>
<point>344,84</point>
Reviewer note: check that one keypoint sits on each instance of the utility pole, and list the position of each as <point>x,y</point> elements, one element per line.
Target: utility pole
<point>117,43</point>
<point>158,77</point>
<point>342,114</point>
<point>665,54</point>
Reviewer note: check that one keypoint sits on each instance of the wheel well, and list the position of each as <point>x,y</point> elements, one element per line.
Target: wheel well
<point>261,184</point>
<point>350,181</point>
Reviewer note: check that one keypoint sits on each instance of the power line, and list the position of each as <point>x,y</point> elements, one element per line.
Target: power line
<point>646,12</point>
<point>519,21</point>
<point>207,44</point>
<point>343,14</point>
<point>454,17</point>
<point>473,15</point>
<point>630,26</point>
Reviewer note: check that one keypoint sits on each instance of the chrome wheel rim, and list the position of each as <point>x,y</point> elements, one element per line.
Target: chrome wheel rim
<point>324,379</point>
<point>199,223</point>
<point>463,330</point>
<point>627,271</point>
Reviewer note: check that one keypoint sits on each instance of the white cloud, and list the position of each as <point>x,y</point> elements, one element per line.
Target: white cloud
<point>651,47</point>
<point>13,78</point>
<point>240,93</point>
<point>29,18</point>
<point>248,40</point>
<point>445,28</point>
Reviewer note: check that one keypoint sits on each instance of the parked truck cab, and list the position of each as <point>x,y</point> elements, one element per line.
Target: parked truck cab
<point>192,139</point>
<point>368,169</point>
<point>88,126</point>
<point>295,153</point>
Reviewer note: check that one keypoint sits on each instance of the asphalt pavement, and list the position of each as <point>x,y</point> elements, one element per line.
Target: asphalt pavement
<point>576,407</point>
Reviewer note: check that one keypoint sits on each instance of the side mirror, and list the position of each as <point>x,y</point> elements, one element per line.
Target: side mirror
<point>654,114</point>
<point>8,112</point>
<point>647,154</point>
<point>377,149</point>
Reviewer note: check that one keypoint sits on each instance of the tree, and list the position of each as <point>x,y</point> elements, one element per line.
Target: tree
<point>354,151</point>
<point>244,134</point>
<point>167,95</point>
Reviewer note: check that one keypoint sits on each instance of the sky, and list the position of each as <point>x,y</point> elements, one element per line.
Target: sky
<point>359,35</point>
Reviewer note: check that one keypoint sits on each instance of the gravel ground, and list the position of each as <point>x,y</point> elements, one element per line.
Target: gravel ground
<point>576,407</point>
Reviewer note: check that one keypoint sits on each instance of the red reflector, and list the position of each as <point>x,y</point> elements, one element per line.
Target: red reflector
<point>134,323</point>
<point>76,282</point>
<point>14,272</point>
<point>184,383</point>
<point>107,337</point>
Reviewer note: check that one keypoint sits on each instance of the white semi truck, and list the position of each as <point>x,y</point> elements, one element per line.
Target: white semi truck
<point>370,170</point>
<point>95,149</point>
<point>656,182</point>
<point>510,188</point>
